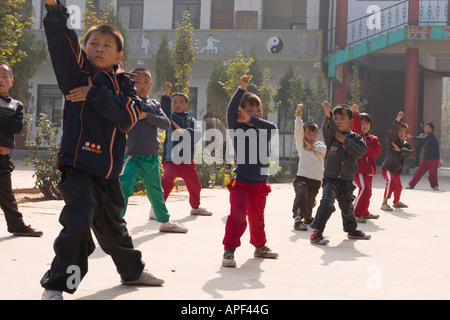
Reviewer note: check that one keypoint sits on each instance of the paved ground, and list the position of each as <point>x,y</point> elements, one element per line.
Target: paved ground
<point>407,257</point>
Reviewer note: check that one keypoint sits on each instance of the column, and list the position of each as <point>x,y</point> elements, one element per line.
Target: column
<point>411,89</point>
<point>340,90</point>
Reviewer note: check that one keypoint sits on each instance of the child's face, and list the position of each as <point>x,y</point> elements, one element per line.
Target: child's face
<point>143,84</point>
<point>427,129</point>
<point>311,136</point>
<point>253,110</point>
<point>365,126</point>
<point>101,50</point>
<point>343,122</point>
<point>5,81</point>
<point>402,133</point>
<point>179,104</point>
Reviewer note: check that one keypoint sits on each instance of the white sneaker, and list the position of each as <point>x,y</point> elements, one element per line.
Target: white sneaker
<point>146,279</point>
<point>52,295</point>
<point>170,226</point>
<point>386,207</point>
<point>151,215</point>
<point>201,212</point>
<point>436,188</point>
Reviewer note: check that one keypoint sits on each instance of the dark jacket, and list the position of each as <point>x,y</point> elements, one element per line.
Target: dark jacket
<point>252,164</point>
<point>341,158</point>
<point>142,140</point>
<point>94,130</point>
<point>11,121</point>
<point>394,160</point>
<point>430,144</point>
<point>177,143</point>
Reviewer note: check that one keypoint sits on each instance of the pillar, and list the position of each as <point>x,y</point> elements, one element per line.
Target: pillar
<point>340,90</point>
<point>411,89</point>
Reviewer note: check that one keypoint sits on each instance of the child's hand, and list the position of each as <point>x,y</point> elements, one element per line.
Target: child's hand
<point>243,116</point>
<point>326,107</point>
<point>395,147</point>
<point>143,115</point>
<point>167,88</point>
<point>400,116</point>
<point>355,108</point>
<point>51,3</point>
<point>80,93</point>
<point>300,107</point>
<point>244,82</point>
<point>177,127</point>
<point>306,145</point>
<point>339,136</point>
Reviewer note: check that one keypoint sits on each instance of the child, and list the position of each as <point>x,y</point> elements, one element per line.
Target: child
<point>310,169</point>
<point>431,157</point>
<point>367,168</point>
<point>142,161</point>
<point>176,162</point>
<point>343,148</point>
<point>11,122</point>
<point>397,149</point>
<point>249,190</point>
<point>96,117</point>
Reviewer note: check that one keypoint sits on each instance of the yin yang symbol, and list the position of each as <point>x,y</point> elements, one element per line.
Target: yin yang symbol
<point>274,45</point>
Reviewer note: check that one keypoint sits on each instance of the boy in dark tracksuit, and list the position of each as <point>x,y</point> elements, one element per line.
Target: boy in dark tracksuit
<point>249,190</point>
<point>11,122</point>
<point>100,107</point>
<point>344,147</point>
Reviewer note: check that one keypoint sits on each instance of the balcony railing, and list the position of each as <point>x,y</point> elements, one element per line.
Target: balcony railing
<point>424,12</point>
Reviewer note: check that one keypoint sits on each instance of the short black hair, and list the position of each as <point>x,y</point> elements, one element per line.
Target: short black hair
<point>430,124</point>
<point>311,126</point>
<point>366,117</point>
<point>181,94</point>
<point>341,108</point>
<point>109,29</point>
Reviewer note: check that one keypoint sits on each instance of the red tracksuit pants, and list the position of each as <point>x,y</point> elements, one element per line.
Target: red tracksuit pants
<point>246,200</point>
<point>187,172</point>
<point>430,165</point>
<point>362,201</point>
<point>393,185</point>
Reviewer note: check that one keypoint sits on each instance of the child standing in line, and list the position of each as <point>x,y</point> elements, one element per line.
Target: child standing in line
<point>11,122</point>
<point>397,149</point>
<point>176,162</point>
<point>101,105</point>
<point>310,169</point>
<point>431,157</point>
<point>343,148</point>
<point>249,189</point>
<point>141,154</point>
<point>367,168</point>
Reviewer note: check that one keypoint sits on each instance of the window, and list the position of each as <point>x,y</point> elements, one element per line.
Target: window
<point>246,20</point>
<point>131,13</point>
<point>50,102</point>
<point>193,6</point>
<point>222,14</point>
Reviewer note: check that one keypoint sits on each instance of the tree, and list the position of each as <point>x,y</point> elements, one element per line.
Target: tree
<point>235,69</point>
<point>164,69</point>
<point>355,86</point>
<point>267,92</point>
<point>183,54</point>
<point>216,95</point>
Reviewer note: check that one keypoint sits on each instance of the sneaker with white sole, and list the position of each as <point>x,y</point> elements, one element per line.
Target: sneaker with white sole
<point>146,279</point>
<point>151,215</point>
<point>201,212</point>
<point>386,207</point>
<point>317,238</point>
<point>265,252</point>
<point>171,226</point>
<point>399,204</point>
<point>228,259</point>
<point>52,295</point>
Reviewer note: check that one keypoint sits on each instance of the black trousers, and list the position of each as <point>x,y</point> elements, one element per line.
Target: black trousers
<point>342,191</point>
<point>14,219</point>
<point>306,191</point>
<point>93,203</point>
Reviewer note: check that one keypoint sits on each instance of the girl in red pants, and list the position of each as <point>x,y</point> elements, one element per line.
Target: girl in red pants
<point>367,168</point>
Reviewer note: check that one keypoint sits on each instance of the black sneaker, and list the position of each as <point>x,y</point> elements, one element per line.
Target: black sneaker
<point>298,224</point>
<point>27,231</point>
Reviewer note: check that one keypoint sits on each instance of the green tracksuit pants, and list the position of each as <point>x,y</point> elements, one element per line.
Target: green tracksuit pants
<point>146,170</point>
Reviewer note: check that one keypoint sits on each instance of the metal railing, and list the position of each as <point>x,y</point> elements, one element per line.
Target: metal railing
<point>389,18</point>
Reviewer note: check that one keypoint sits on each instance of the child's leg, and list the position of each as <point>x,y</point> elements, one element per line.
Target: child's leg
<point>423,167</point>
<point>398,188</point>
<point>326,207</point>
<point>128,179</point>
<point>344,195</point>
<point>13,217</point>
<point>362,201</point>
<point>193,185</point>
<point>257,204</point>
<point>301,196</point>
<point>111,231</point>
<point>390,184</point>
<point>313,190</point>
<point>168,178</point>
<point>236,221</point>
<point>155,192</point>
<point>433,165</point>
<point>74,243</point>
